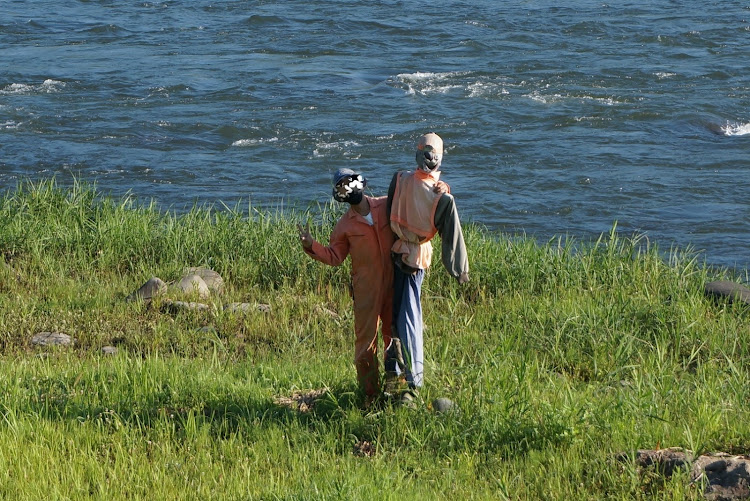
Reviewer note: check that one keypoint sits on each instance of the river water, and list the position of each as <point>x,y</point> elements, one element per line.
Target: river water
<point>557,120</point>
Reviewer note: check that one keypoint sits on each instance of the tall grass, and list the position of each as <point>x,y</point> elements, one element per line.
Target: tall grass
<point>559,356</point>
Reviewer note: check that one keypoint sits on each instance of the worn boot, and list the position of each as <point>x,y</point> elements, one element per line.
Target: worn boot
<point>395,383</point>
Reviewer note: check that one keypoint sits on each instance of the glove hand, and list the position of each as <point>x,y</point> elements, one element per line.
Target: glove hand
<point>441,187</point>
<point>304,236</point>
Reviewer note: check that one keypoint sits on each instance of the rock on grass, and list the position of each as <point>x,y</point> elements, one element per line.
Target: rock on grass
<point>51,339</point>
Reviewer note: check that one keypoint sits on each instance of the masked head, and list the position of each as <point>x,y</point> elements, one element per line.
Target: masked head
<point>348,186</point>
<point>429,152</point>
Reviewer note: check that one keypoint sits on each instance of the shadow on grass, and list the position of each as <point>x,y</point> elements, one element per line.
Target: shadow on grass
<point>225,415</point>
<point>333,412</point>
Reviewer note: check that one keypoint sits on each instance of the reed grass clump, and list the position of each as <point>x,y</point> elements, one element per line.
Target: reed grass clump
<point>559,356</point>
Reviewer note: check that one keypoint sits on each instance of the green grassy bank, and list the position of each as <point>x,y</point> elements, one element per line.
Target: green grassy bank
<point>559,356</point>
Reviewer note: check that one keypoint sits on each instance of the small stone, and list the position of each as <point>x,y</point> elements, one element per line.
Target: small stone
<point>408,400</point>
<point>326,311</point>
<point>177,306</point>
<point>153,287</point>
<point>246,307</point>
<point>51,339</point>
<point>109,350</point>
<point>443,405</point>
<point>238,307</point>
<point>190,284</point>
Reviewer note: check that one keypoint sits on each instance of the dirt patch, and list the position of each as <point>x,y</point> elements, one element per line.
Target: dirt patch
<point>301,400</point>
<point>364,448</point>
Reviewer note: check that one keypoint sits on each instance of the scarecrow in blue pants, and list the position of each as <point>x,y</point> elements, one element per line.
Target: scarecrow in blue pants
<point>418,212</point>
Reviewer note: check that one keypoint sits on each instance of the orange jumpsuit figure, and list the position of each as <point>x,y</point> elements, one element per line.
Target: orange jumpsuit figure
<point>364,233</point>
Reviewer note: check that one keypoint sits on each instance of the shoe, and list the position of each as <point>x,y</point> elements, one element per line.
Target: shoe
<point>395,385</point>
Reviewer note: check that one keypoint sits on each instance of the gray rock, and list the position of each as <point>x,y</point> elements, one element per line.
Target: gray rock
<point>408,399</point>
<point>664,461</point>
<point>153,287</point>
<point>238,307</point>
<point>109,350</point>
<point>443,405</point>
<point>51,339</point>
<point>192,284</point>
<point>213,280</point>
<point>247,307</point>
<point>725,477</point>
<point>177,306</point>
<point>731,291</point>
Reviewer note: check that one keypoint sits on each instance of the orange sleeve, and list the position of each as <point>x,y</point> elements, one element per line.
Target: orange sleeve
<point>335,253</point>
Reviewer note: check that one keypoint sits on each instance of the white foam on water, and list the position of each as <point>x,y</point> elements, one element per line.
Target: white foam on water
<point>486,89</point>
<point>413,77</point>
<point>16,88</point>
<point>609,101</point>
<point>545,99</point>
<point>48,86</point>
<point>736,129</point>
<point>591,119</point>
<point>10,125</point>
<point>661,75</point>
<point>242,143</point>
<point>345,147</point>
<point>556,98</point>
<point>425,83</point>
<point>52,85</point>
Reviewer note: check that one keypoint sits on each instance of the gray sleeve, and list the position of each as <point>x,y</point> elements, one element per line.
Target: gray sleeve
<point>454,256</point>
<point>391,192</point>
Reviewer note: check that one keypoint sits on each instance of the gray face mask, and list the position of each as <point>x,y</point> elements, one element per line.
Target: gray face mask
<point>428,159</point>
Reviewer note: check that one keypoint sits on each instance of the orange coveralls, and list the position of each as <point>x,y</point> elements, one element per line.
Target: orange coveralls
<point>372,280</point>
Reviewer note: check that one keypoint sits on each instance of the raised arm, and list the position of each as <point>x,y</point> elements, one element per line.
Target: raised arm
<point>334,254</point>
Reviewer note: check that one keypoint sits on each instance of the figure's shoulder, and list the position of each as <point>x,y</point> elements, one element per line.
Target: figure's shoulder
<point>445,201</point>
<point>378,204</point>
<point>401,173</point>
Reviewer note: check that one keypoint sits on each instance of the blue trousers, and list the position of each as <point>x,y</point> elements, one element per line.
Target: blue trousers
<point>407,323</point>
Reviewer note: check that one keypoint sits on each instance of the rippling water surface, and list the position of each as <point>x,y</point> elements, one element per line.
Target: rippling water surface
<point>558,120</point>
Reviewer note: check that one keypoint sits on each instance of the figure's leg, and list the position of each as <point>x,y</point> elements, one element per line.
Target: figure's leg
<point>394,361</point>
<point>366,316</point>
<point>408,324</point>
